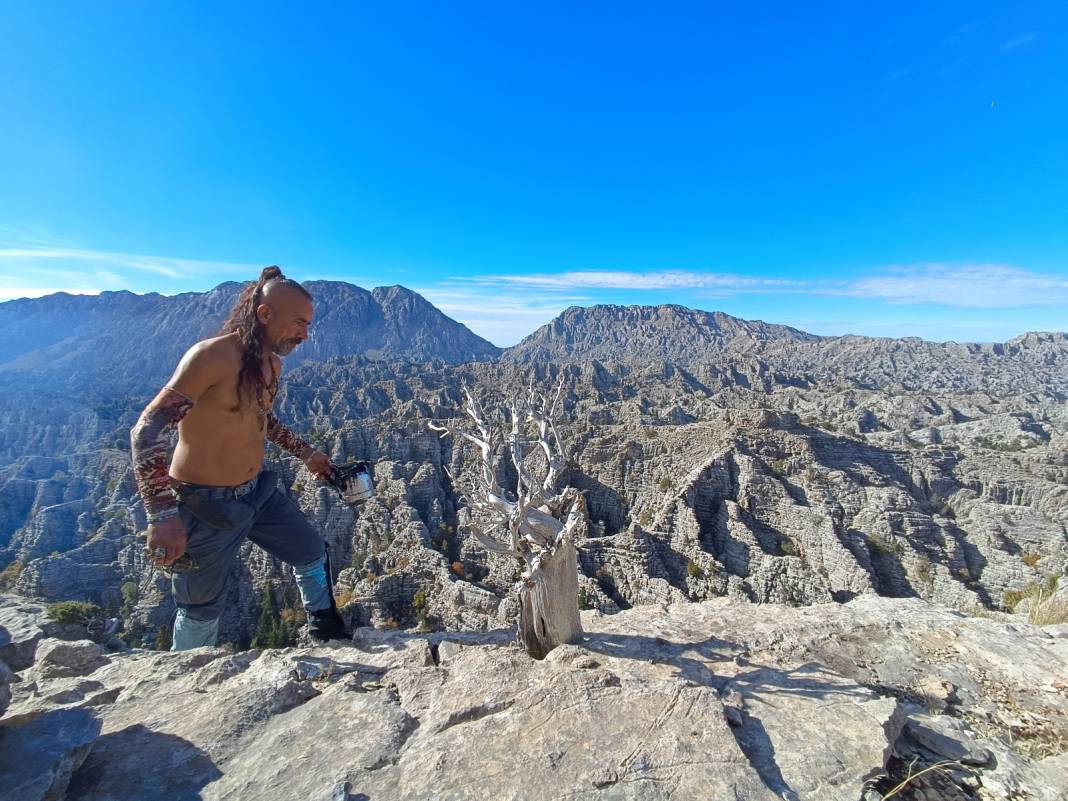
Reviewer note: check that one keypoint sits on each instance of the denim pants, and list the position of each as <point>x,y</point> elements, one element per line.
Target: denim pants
<point>218,520</point>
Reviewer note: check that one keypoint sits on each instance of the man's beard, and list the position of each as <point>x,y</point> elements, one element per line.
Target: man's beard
<point>284,347</point>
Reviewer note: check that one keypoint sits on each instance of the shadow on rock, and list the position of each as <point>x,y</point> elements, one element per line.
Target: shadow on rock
<point>137,762</point>
<point>686,656</point>
<point>38,757</point>
<point>756,744</point>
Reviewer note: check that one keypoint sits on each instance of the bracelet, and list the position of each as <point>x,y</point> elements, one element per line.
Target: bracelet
<point>162,514</point>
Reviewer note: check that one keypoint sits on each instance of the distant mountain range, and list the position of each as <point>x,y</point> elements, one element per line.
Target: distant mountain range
<point>124,342</point>
<point>120,343</point>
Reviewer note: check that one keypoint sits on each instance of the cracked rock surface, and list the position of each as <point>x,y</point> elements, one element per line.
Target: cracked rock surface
<point>716,700</point>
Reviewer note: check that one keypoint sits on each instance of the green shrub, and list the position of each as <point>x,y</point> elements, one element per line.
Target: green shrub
<point>583,598</point>
<point>129,594</point>
<point>778,467</point>
<point>10,575</point>
<point>276,628</point>
<point>80,612</point>
<point>880,543</point>
<point>693,571</point>
<point>665,484</point>
<point>788,547</point>
<point>419,601</point>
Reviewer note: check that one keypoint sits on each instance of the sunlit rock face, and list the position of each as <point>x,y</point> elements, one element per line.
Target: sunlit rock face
<point>745,460</point>
<point>716,699</point>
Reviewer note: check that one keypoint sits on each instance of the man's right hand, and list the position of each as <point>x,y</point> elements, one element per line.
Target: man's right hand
<point>171,536</point>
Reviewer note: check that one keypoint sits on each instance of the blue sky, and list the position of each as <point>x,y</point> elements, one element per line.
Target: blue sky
<point>872,168</point>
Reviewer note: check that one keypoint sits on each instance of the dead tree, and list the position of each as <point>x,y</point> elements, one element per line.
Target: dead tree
<point>537,526</point>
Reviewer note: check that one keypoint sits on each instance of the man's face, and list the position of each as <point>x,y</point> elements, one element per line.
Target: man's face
<point>286,316</point>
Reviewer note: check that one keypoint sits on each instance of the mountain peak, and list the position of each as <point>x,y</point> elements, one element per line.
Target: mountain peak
<point>671,332</point>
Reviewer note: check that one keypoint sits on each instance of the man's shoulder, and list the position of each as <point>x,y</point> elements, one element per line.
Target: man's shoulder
<point>213,354</point>
<point>224,347</point>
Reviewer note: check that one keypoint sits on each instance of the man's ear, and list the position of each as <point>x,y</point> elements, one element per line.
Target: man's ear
<point>263,312</point>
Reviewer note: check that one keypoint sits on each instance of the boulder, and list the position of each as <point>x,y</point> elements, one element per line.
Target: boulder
<point>59,658</point>
<point>37,758</point>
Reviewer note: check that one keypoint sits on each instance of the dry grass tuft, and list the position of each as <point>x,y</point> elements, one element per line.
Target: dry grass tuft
<point>1047,610</point>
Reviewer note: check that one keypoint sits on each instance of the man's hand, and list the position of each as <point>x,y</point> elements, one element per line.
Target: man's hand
<point>171,536</point>
<point>319,465</point>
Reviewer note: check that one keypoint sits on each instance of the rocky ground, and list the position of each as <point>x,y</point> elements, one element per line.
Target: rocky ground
<point>722,699</point>
<point>694,490</point>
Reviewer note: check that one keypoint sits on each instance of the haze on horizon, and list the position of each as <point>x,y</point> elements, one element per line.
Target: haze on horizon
<point>834,169</point>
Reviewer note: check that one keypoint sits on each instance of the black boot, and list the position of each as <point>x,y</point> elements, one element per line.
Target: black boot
<point>327,624</point>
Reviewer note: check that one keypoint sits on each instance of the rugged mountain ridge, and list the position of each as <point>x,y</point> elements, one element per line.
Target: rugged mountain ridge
<point>120,342</point>
<point>753,350</point>
<point>668,332</point>
<point>773,481</point>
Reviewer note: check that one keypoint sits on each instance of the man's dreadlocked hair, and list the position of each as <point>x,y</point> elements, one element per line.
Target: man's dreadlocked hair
<point>244,322</point>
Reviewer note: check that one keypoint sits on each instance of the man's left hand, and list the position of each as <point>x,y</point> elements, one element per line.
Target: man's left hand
<point>319,465</point>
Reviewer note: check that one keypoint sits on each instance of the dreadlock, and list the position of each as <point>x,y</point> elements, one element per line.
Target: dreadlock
<point>244,322</point>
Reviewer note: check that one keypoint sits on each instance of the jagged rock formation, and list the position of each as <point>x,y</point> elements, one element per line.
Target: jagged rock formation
<point>691,493</point>
<point>721,699</point>
<point>761,355</point>
<point>776,467</point>
<point>648,333</point>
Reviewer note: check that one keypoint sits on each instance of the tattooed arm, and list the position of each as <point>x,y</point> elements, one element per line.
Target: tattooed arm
<point>285,439</point>
<point>201,368</point>
<point>148,442</point>
<point>318,462</point>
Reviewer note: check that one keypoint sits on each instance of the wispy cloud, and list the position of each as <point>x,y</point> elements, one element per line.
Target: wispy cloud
<point>170,267</point>
<point>503,316</point>
<point>617,279</point>
<point>503,308</point>
<point>977,286</point>
<point>966,285</point>
<point>1019,41</point>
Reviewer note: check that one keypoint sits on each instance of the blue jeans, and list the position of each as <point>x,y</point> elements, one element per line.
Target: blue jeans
<point>218,520</point>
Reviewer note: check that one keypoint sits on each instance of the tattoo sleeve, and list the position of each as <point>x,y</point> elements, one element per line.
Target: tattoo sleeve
<point>148,444</point>
<point>286,439</point>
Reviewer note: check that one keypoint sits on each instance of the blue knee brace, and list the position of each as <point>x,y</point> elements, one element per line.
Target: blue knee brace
<point>313,584</point>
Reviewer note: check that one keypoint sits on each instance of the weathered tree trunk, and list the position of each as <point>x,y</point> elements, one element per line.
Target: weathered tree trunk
<point>548,608</point>
<point>534,522</point>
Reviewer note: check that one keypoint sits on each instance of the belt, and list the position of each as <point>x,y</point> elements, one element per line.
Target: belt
<point>214,492</point>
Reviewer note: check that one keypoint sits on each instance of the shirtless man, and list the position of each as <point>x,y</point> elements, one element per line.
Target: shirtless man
<point>214,496</point>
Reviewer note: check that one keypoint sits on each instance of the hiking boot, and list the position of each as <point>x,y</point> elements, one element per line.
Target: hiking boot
<point>327,624</point>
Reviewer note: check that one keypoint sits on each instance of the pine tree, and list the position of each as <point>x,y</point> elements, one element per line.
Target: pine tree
<point>266,635</point>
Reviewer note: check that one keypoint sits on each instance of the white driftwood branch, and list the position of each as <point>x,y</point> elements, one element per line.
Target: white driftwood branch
<point>539,523</point>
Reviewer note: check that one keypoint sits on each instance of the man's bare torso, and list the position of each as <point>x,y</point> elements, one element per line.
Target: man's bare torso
<point>217,445</point>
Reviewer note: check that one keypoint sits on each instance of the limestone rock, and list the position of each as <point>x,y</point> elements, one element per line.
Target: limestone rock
<point>947,738</point>
<point>58,658</point>
<point>38,758</point>
<point>723,698</point>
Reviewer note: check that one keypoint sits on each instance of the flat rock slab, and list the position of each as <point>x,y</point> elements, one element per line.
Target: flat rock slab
<point>38,758</point>
<point>606,719</point>
<point>947,738</point>
<point>720,700</point>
